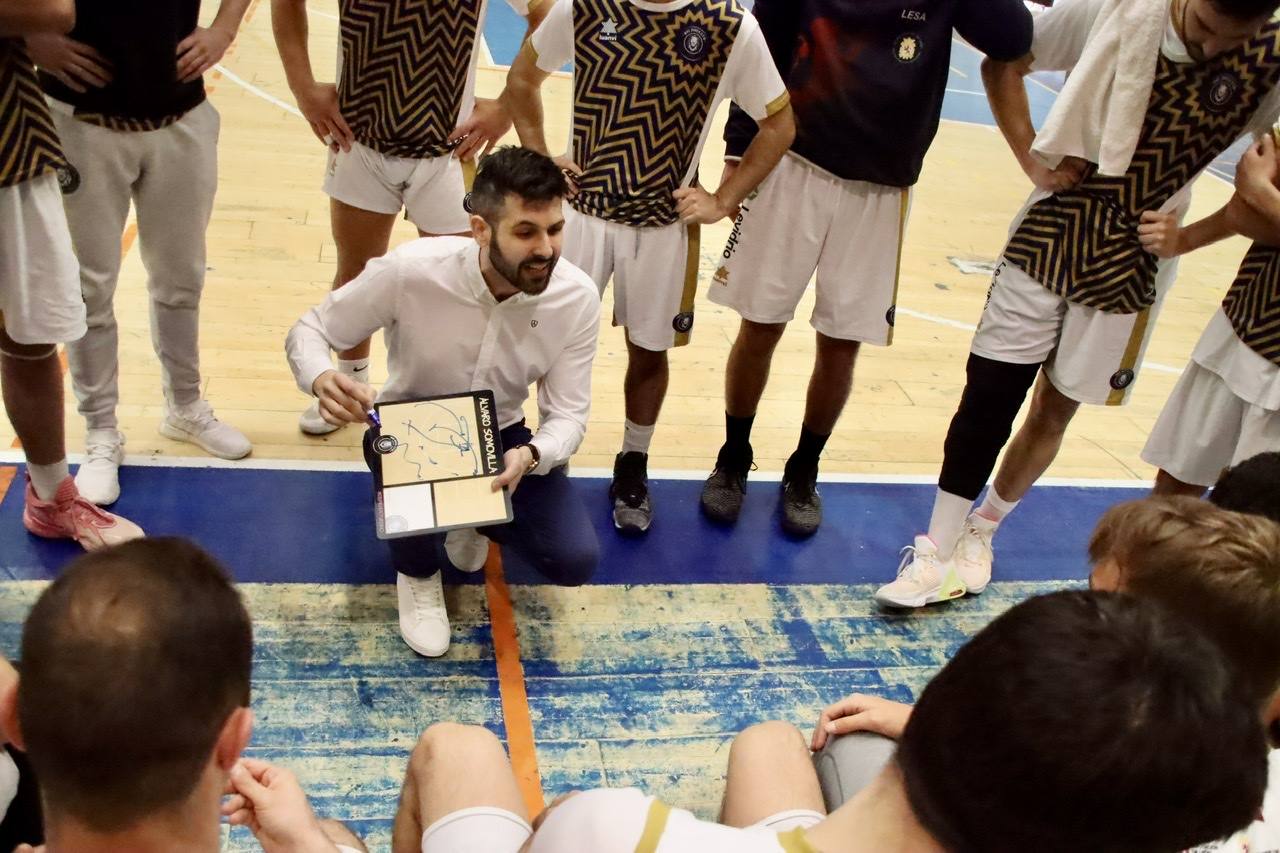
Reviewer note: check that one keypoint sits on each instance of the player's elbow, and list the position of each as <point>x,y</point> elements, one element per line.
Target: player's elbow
<point>781,126</point>
<point>57,16</point>
<point>994,71</point>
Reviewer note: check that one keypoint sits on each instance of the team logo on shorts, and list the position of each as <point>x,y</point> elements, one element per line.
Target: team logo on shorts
<point>721,276</point>
<point>385,444</point>
<point>1221,91</point>
<point>1122,379</point>
<point>683,322</point>
<point>68,179</point>
<point>692,43</point>
<point>466,203</point>
<point>533,324</point>
<point>907,48</point>
<point>891,315</point>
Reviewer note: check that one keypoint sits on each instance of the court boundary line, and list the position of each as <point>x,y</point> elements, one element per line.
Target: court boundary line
<point>512,690</point>
<point>13,457</point>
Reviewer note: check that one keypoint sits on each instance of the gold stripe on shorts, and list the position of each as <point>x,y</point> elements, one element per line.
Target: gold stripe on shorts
<point>1130,359</point>
<point>795,842</point>
<point>654,825</point>
<point>692,258</point>
<point>904,206</point>
<point>468,174</point>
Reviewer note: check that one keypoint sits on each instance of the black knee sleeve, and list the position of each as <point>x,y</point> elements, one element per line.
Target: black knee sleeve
<point>993,393</point>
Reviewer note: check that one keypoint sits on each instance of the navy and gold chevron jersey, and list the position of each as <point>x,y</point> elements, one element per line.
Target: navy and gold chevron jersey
<point>647,78</point>
<point>406,71</point>
<point>29,144</point>
<point>1083,244</point>
<point>1253,301</point>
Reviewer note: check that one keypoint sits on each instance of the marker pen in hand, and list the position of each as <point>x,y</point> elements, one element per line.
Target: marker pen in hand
<point>372,415</point>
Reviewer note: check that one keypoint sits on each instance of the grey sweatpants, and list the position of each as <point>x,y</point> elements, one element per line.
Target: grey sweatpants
<point>849,763</point>
<point>170,175</point>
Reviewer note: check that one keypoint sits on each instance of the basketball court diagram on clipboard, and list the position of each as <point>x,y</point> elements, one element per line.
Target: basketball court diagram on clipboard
<point>438,457</point>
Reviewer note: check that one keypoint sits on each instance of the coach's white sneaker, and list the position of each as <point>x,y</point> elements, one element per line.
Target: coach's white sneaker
<point>467,548</point>
<point>973,556</point>
<point>98,477</point>
<point>195,424</point>
<point>311,423</point>
<point>424,622</point>
<point>922,579</point>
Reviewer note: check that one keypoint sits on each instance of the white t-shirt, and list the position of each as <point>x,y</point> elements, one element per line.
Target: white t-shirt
<point>1263,835</point>
<point>446,333</point>
<point>625,820</point>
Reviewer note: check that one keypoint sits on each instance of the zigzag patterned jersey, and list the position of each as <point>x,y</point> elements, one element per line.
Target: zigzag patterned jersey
<point>1253,301</point>
<point>1083,244</point>
<point>644,88</point>
<point>29,144</point>
<point>405,66</point>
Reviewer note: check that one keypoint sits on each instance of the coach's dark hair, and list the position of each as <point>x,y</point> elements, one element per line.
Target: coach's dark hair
<point>1253,486</point>
<point>132,661</point>
<point>1245,10</point>
<point>1084,721</point>
<point>510,170</point>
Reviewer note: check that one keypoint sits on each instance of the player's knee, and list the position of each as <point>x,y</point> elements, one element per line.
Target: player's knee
<point>1051,411</point>
<point>754,334</point>
<point>442,740</point>
<point>25,352</point>
<point>769,737</point>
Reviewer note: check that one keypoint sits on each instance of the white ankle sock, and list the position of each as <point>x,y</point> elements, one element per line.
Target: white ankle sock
<point>356,368</point>
<point>45,479</point>
<point>947,521</point>
<point>995,508</point>
<point>636,437</point>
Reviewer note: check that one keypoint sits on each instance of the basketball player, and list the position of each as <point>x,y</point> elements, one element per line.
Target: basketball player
<point>648,76</point>
<point>40,302</point>
<point>1226,406</point>
<point>1074,295</point>
<point>400,123</point>
<point>836,204</point>
<point>127,96</point>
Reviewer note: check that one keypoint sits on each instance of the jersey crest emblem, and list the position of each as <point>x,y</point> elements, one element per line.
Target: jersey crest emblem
<point>1221,91</point>
<point>692,43</point>
<point>907,47</point>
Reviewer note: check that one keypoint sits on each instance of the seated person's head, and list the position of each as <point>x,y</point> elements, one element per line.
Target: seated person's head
<point>1253,486</point>
<point>1218,570</point>
<point>1084,721</point>
<point>134,690</point>
<point>517,216</point>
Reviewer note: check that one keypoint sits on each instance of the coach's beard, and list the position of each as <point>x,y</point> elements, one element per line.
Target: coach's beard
<point>532,275</point>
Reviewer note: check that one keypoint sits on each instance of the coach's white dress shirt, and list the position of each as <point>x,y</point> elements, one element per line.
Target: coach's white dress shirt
<point>446,333</point>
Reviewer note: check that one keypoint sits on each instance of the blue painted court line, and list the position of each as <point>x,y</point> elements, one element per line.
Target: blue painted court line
<point>279,526</point>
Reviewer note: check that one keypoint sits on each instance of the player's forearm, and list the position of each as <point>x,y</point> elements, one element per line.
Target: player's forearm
<point>777,132</point>
<point>1007,95</point>
<point>289,26</point>
<point>229,16</point>
<point>522,99</point>
<point>1257,218</point>
<point>23,17</point>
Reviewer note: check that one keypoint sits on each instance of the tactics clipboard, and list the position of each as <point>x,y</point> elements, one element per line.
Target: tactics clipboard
<point>437,457</point>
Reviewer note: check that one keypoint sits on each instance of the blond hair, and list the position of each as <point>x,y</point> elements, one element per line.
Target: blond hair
<point>1219,570</point>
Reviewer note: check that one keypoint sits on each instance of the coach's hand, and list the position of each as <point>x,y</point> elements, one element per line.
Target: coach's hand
<point>482,130</point>
<point>202,50</point>
<point>1064,177</point>
<point>859,713</point>
<point>694,204</point>
<point>319,106</point>
<point>1159,234</point>
<point>73,63</point>
<point>517,461</point>
<point>343,400</point>
<point>271,803</point>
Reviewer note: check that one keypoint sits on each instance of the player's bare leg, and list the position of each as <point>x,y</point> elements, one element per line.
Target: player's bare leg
<point>1167,484</point>
<point>1037,443</point>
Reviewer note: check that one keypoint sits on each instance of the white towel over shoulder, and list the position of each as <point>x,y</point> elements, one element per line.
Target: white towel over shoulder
<point>1098,115</point>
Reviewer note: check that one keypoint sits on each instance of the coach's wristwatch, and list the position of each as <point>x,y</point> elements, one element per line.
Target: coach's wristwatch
<point>537,457</point>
